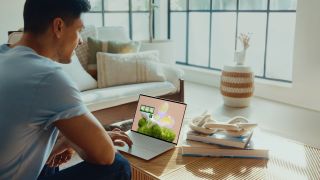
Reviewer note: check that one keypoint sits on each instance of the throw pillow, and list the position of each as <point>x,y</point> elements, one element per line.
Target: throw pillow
<point>116,47</point>
<point>95,46</point>
<point>77,73</point>
<point>123,47</point>
<point>118,69</point>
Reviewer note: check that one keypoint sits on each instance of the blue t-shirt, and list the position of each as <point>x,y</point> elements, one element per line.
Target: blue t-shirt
<point>34,93</point>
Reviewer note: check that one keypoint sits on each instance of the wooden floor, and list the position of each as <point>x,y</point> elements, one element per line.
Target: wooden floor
<point>289,121</point>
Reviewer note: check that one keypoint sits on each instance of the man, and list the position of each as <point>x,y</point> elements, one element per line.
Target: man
<point>37,100</point>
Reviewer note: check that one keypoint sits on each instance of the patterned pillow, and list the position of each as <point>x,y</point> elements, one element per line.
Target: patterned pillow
<point>82,50</point>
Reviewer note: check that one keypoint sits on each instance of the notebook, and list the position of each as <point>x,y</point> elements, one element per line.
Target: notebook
<point>156,127</point>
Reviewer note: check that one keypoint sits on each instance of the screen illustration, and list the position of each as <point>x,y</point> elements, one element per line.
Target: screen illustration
<point>159,118</point>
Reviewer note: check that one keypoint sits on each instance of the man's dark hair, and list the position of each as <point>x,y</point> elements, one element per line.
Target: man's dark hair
<point>39,14</point>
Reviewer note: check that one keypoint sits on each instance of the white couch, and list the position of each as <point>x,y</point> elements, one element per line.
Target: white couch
<point>118,103</point>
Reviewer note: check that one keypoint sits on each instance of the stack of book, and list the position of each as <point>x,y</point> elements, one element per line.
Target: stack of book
<point>221,145</point>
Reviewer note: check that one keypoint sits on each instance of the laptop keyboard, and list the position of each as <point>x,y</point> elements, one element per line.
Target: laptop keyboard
<point>152,143</point>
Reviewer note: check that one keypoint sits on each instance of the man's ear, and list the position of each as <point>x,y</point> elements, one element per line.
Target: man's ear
<point>58,26</point>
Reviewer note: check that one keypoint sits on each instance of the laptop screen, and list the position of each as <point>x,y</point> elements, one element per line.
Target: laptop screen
<point>159,118</point>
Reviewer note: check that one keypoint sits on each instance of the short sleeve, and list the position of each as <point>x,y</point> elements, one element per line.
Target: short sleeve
<point>57,97</point>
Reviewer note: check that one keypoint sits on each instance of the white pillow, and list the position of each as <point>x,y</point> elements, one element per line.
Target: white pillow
<point>131,68</point>
<point>81,77</point>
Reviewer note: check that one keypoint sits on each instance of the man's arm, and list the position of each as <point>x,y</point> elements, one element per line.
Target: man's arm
<point>88,136</point>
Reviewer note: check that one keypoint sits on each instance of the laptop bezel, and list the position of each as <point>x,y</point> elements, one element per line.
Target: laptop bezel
<point>163,100</point>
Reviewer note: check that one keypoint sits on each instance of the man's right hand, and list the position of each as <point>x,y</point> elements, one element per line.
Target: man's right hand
<point>119,137</point>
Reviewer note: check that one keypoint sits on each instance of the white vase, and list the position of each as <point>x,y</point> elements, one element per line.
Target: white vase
<point>240,57</point>
<point>237,85</point>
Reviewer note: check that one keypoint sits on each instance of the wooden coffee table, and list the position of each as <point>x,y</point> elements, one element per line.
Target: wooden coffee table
<point>288,160</point>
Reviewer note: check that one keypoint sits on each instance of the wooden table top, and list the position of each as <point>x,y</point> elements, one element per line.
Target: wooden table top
<point>287,160</point>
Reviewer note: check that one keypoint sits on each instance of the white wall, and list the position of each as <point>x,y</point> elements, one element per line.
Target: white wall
<point>305,89</point>
<point>11,17</point>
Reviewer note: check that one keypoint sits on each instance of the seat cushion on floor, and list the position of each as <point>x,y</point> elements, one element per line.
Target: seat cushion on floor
<point>98,99</point>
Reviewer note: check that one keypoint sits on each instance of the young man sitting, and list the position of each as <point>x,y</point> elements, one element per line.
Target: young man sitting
<point>38,100</point>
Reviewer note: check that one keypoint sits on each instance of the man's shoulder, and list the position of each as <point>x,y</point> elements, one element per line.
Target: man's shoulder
<point>28,58</point>
<point>29,64</point>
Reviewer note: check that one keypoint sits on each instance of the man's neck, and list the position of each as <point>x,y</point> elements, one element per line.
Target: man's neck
<point>41,44</point>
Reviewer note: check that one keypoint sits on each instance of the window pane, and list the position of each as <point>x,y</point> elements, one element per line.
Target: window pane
<point>178,35</point>
<point>254,23</point>
<point>253,4</point>
<point>224,4</point>
<point>161,20</point>
<point>140,5</point>
<point>199,5</point>
<point>199,39</point>
<point>280,45</point>
<point>223,39</point>
<point>92,19</point>
<point>283,4</point>
<point>96,5</point>
<point>178,5</point>
<point>117,19</point>
<point>118,5</point>
<point>140,26</point>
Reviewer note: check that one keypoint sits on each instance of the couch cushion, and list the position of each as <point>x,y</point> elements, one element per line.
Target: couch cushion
<point>98,99</point>
<point>132,68</point>
<point>113,33</point>
<point>83,79</point>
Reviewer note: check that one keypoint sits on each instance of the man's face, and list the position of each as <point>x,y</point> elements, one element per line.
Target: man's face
<point>70,39</point>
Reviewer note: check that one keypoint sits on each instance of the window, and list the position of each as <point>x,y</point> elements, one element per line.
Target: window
<point>212,27</point>
<point>131,14</point>
<point>205,31</point>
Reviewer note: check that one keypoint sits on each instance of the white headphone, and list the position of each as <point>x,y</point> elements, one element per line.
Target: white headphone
<point>236,126</point>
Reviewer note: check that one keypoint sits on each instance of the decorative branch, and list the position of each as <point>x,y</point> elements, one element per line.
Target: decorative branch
<point>244,39</point>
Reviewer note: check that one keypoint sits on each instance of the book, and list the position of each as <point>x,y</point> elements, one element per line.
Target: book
<point>220,138</point>
<point>256,148</point>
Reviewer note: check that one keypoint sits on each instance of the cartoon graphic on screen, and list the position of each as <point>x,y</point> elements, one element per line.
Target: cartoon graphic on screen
<point>157,125</point>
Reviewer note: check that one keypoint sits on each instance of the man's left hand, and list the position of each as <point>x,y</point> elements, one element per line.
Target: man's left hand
<point>57,159</point>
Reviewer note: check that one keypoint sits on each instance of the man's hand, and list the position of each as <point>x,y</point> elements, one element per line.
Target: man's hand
<point>119,137</point>
<point>58,158</point>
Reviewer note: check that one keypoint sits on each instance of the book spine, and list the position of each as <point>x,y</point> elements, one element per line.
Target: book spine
<point>190,151</point>
<point>215,141</point>
<point>225,156</point>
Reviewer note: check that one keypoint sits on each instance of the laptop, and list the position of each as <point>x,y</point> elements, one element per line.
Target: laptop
<point>156,127</point>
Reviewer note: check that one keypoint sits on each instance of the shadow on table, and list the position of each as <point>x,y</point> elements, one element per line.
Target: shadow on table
<point>225,168</point>
<point>160,165</point>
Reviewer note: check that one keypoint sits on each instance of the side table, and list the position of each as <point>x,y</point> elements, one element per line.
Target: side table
<point>237,85</point>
